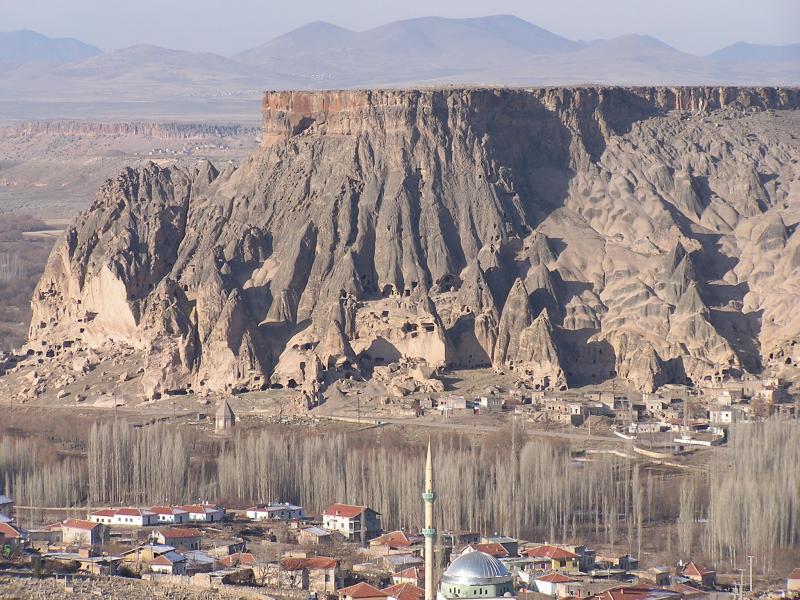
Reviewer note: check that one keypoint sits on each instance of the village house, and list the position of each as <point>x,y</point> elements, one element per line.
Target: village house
<point>237,559</point>
<point>275,511</point>
<point>637,592</point>
<point>206,513</point>
<point>362,591</point>
<point>198,561</point>
<point>394,563</point>
<point>82,532</point>
<point>700,574</point>
<point>412,575</point>
<point>7,507</point>
<point>393,542</point>
<point>688,592</point>
<point>560,559</point>
<point>726,415</point>
<point>659,576</point>
<point>129,517</point>
<point>10,535</point>
<point>510,544</point>
<point>491,548</point>
<point>181,538</point>
<point>456,539</point>
<point>793,581</point>
<point>227,547</point>
<point>139,558</point>
<point>490,403</point>
<point>309,536</point>
<point>404,591</point>
<point>170,514</point>
<point>352,521</point>
<point>557,585</point>
<point>318,574</point>
<point>586,557</point>
<point>169,563</point>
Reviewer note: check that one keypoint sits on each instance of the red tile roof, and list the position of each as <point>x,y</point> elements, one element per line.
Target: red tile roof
<point>199,508</point>
<point>555,578</point>
<point>686,591</point>
<point>321,562</point>
<point>131,512</point>
<point>393,539</point>
<point>696,570</point>
<point>79,524</point>
<point>9,532</point>
<point>637,592</point>
<point>417,573</point>
<point>238,558</point>
<point>552,552</point>
<point>125,512</point>
<point>293,564</point>
<point>491,548</point>
<point>173,533</point>
<point>362,590</point>
<point>166,510</point>
<point>349,511</point>
<point>795,574</point>
<point>405,591</point>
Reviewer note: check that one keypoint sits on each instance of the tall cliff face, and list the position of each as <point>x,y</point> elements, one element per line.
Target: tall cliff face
<point>639,225</point>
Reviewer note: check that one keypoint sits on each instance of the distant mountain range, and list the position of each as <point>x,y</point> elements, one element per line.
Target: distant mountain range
<point>29,46</point>
<point>62,76</point>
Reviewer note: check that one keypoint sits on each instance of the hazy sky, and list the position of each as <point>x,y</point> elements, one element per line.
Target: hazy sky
<point>697,26</point>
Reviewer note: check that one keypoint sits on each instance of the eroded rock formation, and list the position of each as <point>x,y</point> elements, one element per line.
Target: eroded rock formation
<point>567,235</point>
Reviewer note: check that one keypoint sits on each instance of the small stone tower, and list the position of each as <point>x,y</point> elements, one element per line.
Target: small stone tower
<point>225,418</point>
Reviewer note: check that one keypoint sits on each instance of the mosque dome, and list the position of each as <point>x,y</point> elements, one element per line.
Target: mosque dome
<point>476,568</point>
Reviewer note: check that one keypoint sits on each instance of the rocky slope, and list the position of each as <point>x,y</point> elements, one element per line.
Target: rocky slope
<point>566,235</point>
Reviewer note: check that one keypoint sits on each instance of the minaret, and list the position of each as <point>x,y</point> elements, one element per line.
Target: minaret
<point>428,497</point>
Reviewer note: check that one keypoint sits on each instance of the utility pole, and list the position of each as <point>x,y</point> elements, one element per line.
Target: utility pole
<point>750,564</point>
<point>741,584</point>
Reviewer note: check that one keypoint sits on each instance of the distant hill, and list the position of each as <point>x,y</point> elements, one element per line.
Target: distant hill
<point>422,48</point>
<point>28,46</point>
<point>742,51</point>
<point>45,78</point>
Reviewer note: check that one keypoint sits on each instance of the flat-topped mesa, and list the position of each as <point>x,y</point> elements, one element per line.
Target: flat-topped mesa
<point>345,112</point>
<point>552,233</point>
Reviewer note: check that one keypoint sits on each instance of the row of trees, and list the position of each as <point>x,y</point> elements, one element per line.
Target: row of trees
<point>746,501</point>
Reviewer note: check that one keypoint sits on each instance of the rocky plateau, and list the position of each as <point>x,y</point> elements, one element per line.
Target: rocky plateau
<point>567,236</point>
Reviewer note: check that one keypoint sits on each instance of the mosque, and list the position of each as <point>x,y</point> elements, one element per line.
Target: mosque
<point>471,575</point>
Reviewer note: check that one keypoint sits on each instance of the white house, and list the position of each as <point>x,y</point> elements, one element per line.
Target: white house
<point>275,511</point>
<point>208,513</point>
<point>556,584</point>
<point>347,520</point>
<point>490,403</point>
<point>130,517</point>
<point>170,514</point>
<point>169,563</point>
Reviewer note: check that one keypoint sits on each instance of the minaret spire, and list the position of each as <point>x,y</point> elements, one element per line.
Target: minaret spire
<point>428,497</point>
